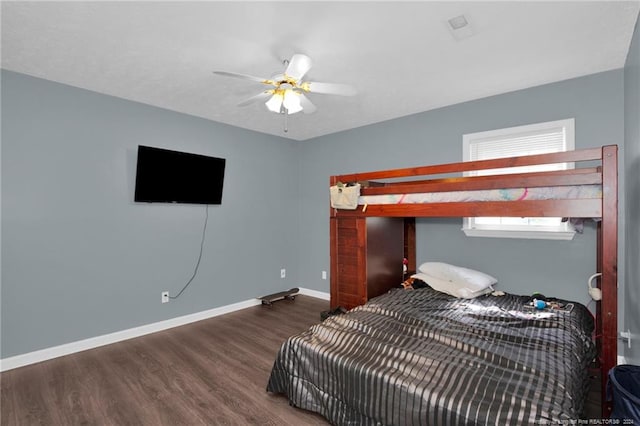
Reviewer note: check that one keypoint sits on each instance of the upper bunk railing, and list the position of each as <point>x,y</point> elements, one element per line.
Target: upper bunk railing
<point>589,168</point>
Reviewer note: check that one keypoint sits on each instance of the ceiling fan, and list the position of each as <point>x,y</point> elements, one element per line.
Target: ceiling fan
<point>286,94</point>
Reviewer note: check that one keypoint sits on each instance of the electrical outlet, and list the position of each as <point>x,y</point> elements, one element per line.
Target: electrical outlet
<point>324,275</point>
<point>165,297</point>
<point>283,273</point>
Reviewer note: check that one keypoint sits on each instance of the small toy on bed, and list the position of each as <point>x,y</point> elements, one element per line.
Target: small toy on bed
<point>539,302</point>
<point>408,283</point>
<point>413,283</point>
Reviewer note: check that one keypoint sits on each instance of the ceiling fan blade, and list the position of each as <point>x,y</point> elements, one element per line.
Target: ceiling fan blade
<point>244,77</point>
<point>298,66</point>
<point>329,88</point>
<point>256,98</point>
<point>307,106</point>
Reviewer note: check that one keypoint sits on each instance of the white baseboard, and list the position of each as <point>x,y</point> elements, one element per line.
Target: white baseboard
<point>106,339</point>
<point>315,293</point>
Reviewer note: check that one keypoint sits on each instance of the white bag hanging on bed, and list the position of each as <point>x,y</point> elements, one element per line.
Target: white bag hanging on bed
<point>345,197</point>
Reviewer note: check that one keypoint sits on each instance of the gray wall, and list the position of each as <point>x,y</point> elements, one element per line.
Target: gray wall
<point>81,259</point>
<point>632,173</point>
<point>558,268</point>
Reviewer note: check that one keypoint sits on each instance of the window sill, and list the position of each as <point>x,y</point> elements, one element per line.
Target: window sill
<point>534,235</point>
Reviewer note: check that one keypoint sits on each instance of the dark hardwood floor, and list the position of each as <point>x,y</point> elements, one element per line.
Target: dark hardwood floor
<point>210,372</point>
<point>206,373</point>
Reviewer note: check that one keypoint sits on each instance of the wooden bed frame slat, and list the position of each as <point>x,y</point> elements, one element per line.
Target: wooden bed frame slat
<point>524,180</point>
<point>605,172</point>
<point>578,208</point>
<point>594,154</point>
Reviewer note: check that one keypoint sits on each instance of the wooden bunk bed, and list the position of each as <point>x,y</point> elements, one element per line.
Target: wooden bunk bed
<point>367,244</point>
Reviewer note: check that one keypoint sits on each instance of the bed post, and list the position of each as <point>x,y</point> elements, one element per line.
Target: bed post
<point>333,251</point>
<point>410,244</point>
<point>607,262</point>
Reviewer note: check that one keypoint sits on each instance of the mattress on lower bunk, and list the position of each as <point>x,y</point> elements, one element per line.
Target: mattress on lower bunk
<point>422,357</point>
<point>509,194</point>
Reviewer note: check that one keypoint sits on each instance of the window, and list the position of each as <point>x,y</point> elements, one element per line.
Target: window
<point>541,138</point>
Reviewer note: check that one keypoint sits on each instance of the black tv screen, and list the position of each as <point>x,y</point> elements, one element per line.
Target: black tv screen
<point>165,176</point>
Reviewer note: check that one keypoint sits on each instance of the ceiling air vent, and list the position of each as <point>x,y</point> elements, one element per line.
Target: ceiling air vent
<point>460,27</point>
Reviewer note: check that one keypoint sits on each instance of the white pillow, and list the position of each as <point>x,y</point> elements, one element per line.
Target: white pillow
<point>474,279</point>
<point>454,288</point>
<point>461,282</point>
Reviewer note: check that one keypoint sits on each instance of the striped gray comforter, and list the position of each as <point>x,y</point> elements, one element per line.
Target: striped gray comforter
<point>425,358</point>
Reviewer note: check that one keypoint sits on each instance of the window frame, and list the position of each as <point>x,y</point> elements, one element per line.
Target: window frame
<point>563,231</point>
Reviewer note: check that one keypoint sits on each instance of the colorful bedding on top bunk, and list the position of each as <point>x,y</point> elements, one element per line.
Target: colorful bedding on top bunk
<point>509,194</point>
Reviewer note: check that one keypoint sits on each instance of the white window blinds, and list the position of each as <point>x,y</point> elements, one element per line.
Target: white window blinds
<point>540,138</point>
<point>532,139</point>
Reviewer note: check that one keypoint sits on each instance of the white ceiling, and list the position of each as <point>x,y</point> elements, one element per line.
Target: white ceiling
<point>400,56</point>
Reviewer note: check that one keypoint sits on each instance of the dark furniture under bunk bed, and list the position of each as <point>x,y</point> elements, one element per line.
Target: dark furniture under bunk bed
<point>423,357</point>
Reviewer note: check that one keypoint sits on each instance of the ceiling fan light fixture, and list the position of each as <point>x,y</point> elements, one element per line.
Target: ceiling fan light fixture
<point>287,92</point>
<point>274,104</point>
<point>292,102</point>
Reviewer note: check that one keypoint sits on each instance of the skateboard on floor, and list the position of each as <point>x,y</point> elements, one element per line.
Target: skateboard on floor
<point>288,294</point>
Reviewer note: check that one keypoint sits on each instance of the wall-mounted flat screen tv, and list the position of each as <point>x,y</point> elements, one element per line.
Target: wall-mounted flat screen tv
<point>165,176</point>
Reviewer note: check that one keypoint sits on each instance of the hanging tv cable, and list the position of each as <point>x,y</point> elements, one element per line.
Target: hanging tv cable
<point>195,271</point>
